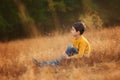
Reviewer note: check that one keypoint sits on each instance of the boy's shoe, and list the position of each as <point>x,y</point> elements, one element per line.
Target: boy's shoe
<point>41,64</point>
<point>35,61</point>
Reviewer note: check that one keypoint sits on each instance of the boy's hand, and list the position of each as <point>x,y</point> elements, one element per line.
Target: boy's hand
<point>65,56</point>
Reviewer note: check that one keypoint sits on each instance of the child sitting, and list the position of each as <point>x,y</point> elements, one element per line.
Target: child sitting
<point>79,49</point>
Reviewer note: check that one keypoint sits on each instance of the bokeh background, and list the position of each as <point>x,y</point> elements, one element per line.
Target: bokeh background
<point>41,29</point>
<point>30,18</point>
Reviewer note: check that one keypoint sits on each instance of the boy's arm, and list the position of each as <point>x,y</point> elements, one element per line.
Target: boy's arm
<point>81,51</point>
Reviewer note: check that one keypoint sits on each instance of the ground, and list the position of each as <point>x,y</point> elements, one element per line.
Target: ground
<point>104,63</point>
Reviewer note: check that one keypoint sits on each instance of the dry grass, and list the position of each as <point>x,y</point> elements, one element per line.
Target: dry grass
<point>104,63</point>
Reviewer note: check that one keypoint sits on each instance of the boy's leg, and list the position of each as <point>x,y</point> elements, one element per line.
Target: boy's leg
<point>52,62</point>
<point>70,51</point>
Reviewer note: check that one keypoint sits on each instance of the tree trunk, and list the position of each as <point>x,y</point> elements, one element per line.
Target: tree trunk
<point>28,23</point>
<point>51,5</point>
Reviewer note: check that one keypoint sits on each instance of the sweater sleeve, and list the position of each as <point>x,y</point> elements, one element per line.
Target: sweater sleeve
<point>80,54</point>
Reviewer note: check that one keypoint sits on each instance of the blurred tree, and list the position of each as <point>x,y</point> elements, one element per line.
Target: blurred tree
<point>38,10</point>
<point>28,23</point>
<point>109,11</point>
<point>24,18</point>
<point>53,6</point>
<point>9,20</point>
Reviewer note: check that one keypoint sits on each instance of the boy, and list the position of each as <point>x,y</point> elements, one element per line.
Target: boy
<point>79,49</point>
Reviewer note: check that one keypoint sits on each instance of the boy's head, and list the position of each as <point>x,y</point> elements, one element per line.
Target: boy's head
<point>78,29</point>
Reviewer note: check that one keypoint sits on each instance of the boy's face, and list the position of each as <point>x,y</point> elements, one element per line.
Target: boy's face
<point>74,32</point>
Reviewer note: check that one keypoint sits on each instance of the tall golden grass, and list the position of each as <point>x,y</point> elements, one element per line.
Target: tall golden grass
<point>104,63</point>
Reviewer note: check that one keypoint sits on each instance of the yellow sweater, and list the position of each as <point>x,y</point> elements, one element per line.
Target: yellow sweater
<point>83,47</point>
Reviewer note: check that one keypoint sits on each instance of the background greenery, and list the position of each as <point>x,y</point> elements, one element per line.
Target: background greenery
<point>28,18</point>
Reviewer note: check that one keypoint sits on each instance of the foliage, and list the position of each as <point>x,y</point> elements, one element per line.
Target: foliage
<point>50,15</point>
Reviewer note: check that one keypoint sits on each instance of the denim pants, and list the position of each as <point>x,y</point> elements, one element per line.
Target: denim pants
<point>70,51</point>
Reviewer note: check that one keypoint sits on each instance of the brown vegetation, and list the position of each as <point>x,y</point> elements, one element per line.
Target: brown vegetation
<point>104,64</point>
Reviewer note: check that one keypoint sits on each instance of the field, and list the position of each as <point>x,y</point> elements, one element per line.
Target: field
<point>104,63</point>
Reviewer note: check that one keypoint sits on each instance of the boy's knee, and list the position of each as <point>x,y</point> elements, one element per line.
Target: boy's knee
<point>70,50</point>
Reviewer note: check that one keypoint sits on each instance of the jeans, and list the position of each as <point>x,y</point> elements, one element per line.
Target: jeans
<point>70,51</point>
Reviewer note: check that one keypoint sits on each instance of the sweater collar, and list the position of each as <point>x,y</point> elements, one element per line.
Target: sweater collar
<point>79,37</point>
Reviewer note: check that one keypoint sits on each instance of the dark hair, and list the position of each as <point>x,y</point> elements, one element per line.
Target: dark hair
<point>79,26</point>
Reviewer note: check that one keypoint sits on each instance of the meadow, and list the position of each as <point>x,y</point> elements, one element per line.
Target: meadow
<point>104,63</point>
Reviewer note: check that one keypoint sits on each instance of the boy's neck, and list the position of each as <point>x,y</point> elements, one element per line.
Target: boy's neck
<point>78,36</point>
